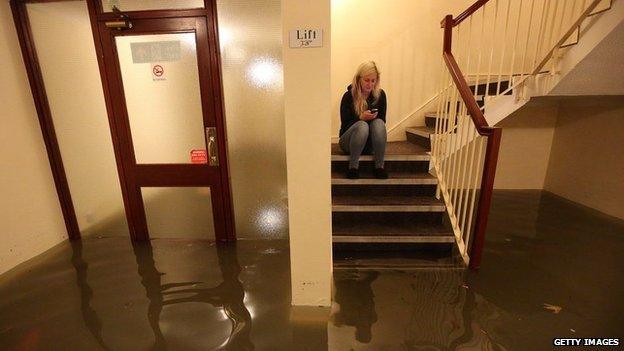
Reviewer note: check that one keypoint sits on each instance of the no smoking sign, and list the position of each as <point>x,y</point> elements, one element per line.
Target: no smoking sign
<point>158,72</point>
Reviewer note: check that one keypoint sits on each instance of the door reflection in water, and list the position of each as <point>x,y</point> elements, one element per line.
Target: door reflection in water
<point>228,296</point>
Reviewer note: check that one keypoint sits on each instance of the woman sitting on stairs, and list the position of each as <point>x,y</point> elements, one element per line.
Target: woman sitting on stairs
<point>363,120</point>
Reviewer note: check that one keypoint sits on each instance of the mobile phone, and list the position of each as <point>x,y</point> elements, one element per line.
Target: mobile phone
<point>374,110</point>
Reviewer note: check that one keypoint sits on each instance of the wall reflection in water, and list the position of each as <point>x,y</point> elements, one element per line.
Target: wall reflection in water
<point>189,295</point>
<point>425,310</point>
<point>228,297</point>
<point>89,316</point>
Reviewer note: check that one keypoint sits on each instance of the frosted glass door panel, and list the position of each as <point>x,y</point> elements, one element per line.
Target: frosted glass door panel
<point>179,213</point>
<point>161,86</point>
<point>250,35</point>
<point>141,5</point>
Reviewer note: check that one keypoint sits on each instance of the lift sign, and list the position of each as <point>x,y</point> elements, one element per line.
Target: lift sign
<point>306,38</point>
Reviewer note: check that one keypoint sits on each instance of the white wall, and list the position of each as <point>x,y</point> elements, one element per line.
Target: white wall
<point>586,163</point>
<point>525,146</point>
<point>569,146</point>
<point>306,102</point>
<point>74,89</point>
<point>403,37</point>
<point>75,95</point>
<point>30,213</point>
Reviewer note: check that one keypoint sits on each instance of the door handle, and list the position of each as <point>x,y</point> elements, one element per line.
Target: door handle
<point>213,148</point>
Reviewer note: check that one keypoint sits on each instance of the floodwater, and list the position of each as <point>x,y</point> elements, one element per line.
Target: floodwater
<point>551,269</point>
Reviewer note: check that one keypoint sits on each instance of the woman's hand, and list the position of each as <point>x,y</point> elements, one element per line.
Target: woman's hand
<point>367,115</point>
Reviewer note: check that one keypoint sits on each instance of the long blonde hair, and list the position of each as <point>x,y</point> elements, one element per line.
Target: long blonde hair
<point>359,101</point>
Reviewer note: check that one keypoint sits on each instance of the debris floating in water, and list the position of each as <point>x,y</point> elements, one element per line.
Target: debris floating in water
<point>552,308</point>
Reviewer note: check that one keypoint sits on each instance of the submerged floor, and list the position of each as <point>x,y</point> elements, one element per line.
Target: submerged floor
<point>542,253</point>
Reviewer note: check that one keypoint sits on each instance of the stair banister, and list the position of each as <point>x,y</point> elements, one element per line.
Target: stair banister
<point>565,37</point>
<point>469,11</point>
<point>464,147</point>
<point>492,134</point>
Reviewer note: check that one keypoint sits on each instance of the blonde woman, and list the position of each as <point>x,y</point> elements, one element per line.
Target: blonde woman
<point>363,120</point>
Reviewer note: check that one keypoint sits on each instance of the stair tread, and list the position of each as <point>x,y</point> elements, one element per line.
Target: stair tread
<point>385,229</point>
<point>424,131</point>
<point>448,262</point>
<point>394,178</point>
<point>368,200</point>
<point>392,148</point>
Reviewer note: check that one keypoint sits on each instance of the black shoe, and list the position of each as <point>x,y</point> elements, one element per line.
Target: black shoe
<point>380,173</point>
<point>353,173</point>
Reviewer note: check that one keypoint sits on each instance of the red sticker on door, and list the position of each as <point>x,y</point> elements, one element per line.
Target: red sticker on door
<point>199,156</point>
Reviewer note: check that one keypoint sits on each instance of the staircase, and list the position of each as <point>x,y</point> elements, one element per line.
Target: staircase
<point>565,71</point>
<point>393,223</point>
<point>441,177</point>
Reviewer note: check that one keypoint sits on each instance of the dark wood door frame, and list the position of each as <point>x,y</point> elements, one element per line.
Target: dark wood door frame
<point>97,15</point>
<point>136,176</point>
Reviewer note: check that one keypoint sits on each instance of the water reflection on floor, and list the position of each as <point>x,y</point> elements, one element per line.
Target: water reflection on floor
<point>425,310</point>
<point>107,294</point>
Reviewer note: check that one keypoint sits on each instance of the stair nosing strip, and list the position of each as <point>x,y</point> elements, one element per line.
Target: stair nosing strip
<point>416,157</point>
<point>393,239</point>
<point>390,181</point>
<point>398,268</point>
<point>388,208</point>
<point>363,263</point>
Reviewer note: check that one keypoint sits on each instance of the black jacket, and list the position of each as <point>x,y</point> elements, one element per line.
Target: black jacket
<point>347,111</point>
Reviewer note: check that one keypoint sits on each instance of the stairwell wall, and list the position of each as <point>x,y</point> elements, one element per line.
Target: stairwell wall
<point>526,145</point>
<point>586,164</point>
<point>30,213</point>
<point>405,40</point>
<point>308,155</point>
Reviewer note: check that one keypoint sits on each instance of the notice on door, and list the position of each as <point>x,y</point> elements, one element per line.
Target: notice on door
<point>158,72</point>
<point>199,156</point>
<point>155,51</point>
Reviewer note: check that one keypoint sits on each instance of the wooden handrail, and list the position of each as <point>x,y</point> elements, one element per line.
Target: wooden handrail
<point>475,239</point>
<point>466,94</point>
<point>469,11</point>
<point>493,135</point>
<point>458,77</point>
<point>485,198</point>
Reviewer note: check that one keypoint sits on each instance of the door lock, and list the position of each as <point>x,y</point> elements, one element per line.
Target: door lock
<point>213,148</point>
